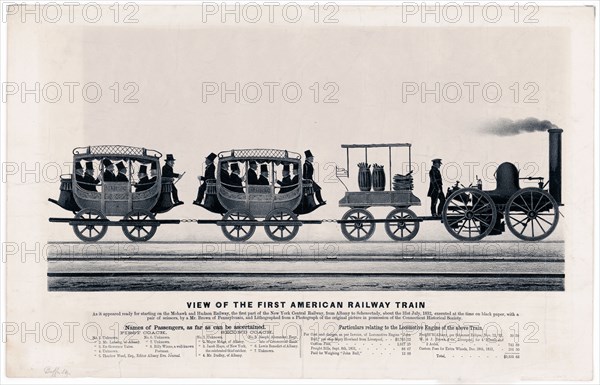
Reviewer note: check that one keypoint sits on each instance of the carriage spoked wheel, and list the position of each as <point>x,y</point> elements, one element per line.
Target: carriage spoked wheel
<point>90,232</point>
<point>238,232</point>
<point>358,230</point>
<point>398,228</point>
<point>139,232</point>
<point>531,214</point>
<point>282,231</point>
<point>469,214</point>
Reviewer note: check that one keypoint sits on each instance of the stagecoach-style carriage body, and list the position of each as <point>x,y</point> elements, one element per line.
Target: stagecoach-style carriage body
<point>255,202</point>
<point>92,207</point>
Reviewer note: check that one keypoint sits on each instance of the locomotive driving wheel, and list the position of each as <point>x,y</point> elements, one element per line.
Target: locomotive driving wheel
<point>90,232</point>
<point>139,232</point>
<point>238,232</point>
<point>283,231</point>
<point>469,214</point>
<point>531,214</point>
<point>398,228</point>
<point>358,230</point>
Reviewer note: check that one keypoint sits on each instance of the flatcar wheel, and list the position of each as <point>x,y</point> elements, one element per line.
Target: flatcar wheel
<point>139,233</point>
<point>531,214</point>
<point>282,232</point>
<point>238,232</point>
<point>358,230</point>
<point>469,214</point>
<point>398,228</point>
<point>90,232</point>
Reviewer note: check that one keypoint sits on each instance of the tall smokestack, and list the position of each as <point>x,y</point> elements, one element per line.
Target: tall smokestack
<point>555,163</point>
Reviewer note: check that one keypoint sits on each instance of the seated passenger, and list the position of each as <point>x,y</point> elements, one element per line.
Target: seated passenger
<point>235,182</point>
<point>224,173</point>
<point>122,175</point>
<point>286,181</point>
<point>143,182</point>
<point>263,180</point>
<point>252,176</point>
<point>89,180</point>
<point>109,169</point>
<point>79,175</point>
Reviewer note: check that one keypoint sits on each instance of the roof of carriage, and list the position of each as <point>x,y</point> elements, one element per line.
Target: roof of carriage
<point>260,153</point>
<point>115,150</point>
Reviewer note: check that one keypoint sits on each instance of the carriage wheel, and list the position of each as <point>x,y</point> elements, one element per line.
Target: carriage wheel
<point>358,231</point>
<point>139,233</point>
<point>282,232</point>
<point>398,228</point>
<point>531,214</point>
<point>469,214</point>
<point>90,233</point>
<point>239,232</point>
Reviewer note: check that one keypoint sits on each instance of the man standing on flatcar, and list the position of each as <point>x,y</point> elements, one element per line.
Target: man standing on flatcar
<point>307,173</point>
<point>436,191</point>
<point>122,175</point>
<point>109,168</point>
<point>167,172</point>
<point>252,175</point>
<point>286,181</point>
<point>234,179</point>
<point>143,181</point>
<point>263,180</point>
<point>89,181</point>
<point>209,174</point>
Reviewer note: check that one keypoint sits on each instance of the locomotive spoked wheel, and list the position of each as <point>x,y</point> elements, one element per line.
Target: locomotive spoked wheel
<point>238,232</point>
<point>469,214</point>
<point>90,232</point>
<point>398,228</point>
<point>358,231</point>
<point>531,214</point>
<point>282,232</point>
<point>139,232</point>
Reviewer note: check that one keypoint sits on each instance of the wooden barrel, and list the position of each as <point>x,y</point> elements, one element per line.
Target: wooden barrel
<point>211,187</point>
<point>378,179</point>
<point>364,179</point>
<point>66,184</point>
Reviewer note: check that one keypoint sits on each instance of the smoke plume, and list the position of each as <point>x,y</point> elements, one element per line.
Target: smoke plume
<point>508,127</point>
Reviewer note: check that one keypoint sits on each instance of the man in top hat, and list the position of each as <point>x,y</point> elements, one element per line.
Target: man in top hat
<point>122,174</point>
<point>252,175</point>
<point>143,181</point>
<point>295,174</point>
<point>263,179</point>
<point>89,181</point>
<point>167,172</point>
<point>109,169</point>
<point>307,173</point>
<point>234,179</point>
<point>209,173</point>
<point>286,181</point>
<point>152,174</point>
<point>224,174</point>
<point>436,191</point>
<point>79,175</point>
